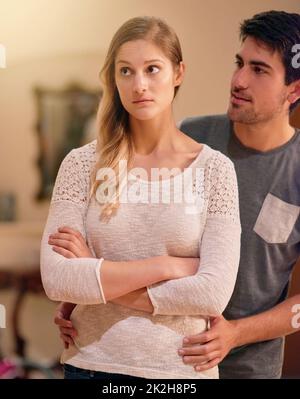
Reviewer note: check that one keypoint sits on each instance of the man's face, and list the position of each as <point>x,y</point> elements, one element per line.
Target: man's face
<point>258,90</point>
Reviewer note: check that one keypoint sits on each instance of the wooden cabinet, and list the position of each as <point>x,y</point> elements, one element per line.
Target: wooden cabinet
<point>20,268</point>
<point>292,346</point>
<point>292,349</point>
<point>295,118</point>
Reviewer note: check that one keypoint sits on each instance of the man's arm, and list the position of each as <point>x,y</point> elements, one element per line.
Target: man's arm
<point>276,322</point>
<point>213,345</point>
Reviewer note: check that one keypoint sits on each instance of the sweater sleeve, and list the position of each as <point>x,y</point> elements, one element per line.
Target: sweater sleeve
<point>209,290</point>
<point>75,280</point>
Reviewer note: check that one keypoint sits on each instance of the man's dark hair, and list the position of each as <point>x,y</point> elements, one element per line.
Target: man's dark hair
<point>279,31</point>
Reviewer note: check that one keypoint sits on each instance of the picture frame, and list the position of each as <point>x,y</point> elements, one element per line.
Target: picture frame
<point>66,120</point>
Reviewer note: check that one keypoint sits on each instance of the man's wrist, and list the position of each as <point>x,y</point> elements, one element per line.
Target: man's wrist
<point>237,333</point>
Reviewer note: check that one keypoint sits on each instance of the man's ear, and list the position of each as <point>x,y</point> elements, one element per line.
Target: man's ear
<point>179,74</point>
<point>295,92</point>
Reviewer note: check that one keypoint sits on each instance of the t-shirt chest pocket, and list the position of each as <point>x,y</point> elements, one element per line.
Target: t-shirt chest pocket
<point>276,220</point>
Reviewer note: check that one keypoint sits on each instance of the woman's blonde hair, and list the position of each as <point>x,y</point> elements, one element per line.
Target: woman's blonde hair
<point>114,141</point>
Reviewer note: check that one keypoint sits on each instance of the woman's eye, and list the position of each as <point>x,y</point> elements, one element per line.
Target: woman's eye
<point>125,71</point>
<point>153,69</point>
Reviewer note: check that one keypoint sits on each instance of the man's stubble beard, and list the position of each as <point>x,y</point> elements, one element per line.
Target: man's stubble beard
<point>250,116</point>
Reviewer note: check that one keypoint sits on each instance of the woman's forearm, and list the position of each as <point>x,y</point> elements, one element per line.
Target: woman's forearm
<point>120,278</point>
<point>137,300</point>
<point>115,279</point>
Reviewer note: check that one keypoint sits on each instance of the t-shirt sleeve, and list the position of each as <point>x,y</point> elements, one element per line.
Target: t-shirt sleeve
<point>209,290</point>
<point>75,280</point>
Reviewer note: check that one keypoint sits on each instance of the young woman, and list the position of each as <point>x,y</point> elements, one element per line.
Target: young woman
<point>139,271</point>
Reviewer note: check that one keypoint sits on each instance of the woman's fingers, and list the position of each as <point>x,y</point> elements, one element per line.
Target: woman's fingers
<point>64,252</point>
<point>66,244</point>
<point>73,232</point>
<point>64,236</point>
<point>71,240</point>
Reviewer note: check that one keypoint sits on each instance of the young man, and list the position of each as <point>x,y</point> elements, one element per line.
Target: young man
<point>248,341</point>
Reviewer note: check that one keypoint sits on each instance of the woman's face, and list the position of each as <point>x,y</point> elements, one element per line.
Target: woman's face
<point>145,79</point>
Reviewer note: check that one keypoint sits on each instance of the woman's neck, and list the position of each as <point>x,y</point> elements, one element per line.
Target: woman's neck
<point>155,135</point>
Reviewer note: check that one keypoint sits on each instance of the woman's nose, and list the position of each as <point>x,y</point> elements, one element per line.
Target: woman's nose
<point>140,84</point>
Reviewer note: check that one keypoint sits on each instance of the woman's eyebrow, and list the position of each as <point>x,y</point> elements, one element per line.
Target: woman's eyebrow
<point>146,62</point>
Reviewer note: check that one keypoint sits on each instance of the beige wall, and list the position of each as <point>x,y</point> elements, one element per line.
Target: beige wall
<point>18,115</point>
<point>53,42</point>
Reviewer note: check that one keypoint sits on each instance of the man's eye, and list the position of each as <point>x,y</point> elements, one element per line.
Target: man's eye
<point>258,70</point>
<point>153,69</point>
<point>125,71</point>
<point>238,64</point>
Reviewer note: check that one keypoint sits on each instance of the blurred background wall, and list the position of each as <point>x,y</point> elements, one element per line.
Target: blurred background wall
<point>54,43</point>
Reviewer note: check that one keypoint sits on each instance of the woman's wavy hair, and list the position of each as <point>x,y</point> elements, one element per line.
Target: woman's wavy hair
<point>114,141</point>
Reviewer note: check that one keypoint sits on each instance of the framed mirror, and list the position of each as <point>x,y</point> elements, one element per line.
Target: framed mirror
<point>66,120</point>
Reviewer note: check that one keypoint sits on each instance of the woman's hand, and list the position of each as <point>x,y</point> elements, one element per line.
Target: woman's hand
<point>69,243</point>
<point>62,319</point>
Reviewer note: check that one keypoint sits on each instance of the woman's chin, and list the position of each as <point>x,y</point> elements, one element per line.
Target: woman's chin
<point>144,116</point>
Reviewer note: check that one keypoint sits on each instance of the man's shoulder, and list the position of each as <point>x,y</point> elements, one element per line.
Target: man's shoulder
<point>213,130</point>
<point>205,120</point>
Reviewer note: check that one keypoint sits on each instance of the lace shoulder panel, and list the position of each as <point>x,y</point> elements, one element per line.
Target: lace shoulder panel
<point>223,190</point>
<point>73,178</point>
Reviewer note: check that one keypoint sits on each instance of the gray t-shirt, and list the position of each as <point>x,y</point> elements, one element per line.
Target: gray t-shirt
<point>269,191</point>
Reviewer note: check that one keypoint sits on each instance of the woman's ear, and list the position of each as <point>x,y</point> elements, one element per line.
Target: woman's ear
<point>179,74</point>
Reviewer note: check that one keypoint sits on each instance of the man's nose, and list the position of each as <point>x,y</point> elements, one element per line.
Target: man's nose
<point>240,79</point>
<point>140,83</point>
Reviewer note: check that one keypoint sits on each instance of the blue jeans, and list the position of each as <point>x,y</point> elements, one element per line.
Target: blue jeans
<point>75,373</point>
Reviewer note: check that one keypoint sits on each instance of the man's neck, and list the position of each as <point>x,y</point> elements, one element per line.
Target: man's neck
<point>264,136</point>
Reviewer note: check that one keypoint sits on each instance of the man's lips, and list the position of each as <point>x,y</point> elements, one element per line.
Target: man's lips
<point>238,99</point>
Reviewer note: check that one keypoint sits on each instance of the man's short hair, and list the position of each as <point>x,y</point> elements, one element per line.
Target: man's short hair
<point>279,31</point>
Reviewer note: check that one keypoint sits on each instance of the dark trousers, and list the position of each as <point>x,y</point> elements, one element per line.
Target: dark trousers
<point>75,373</point>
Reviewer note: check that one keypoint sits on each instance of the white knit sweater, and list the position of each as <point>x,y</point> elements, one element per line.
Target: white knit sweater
<point>113,338</point>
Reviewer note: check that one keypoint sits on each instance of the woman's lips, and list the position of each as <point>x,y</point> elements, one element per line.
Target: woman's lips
<point>142,101</point>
